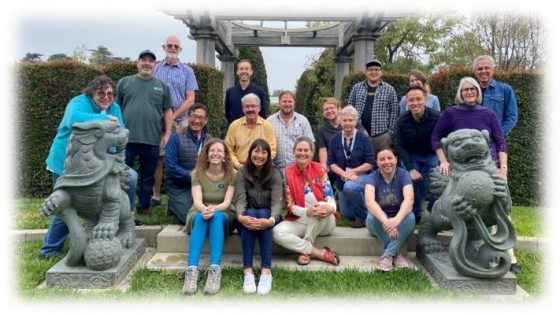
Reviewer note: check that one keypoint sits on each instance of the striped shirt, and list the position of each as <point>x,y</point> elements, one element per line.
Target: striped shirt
<point>180,78</point>
<point>286,136</point>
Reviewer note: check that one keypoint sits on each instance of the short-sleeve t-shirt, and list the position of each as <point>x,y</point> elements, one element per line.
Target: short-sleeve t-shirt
<point>389,196</point>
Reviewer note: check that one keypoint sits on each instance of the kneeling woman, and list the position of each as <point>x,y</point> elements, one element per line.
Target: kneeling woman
<point>389,198</point>
<point>311,206</point>
<point>211,213</point>
<point>258,201</point>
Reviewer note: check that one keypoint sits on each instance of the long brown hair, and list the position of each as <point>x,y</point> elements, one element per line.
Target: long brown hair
<point>202,162</point>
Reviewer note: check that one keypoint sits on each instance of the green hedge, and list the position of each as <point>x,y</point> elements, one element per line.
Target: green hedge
<point>44,91</point>
<point>46,88</point>
<point>525,141</point>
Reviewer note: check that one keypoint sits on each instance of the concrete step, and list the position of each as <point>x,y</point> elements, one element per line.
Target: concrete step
<point>345,241</point>
<point>176,262</point>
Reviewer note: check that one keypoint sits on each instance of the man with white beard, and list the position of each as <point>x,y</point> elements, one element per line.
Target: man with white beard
<point>181,80</point>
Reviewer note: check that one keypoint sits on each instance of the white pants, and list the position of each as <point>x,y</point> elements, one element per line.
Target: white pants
<point>299,235</point>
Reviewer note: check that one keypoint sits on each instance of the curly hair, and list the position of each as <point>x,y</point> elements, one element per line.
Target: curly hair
<point>202,162</point>
<point>99,83</point>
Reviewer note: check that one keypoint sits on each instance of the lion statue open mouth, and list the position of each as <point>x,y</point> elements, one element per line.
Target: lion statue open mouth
<point>471,200</point>
<point>91,189</point>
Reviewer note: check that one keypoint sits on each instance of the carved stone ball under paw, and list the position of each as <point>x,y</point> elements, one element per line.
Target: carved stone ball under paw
<point>477,188</point>
<point>102,254</point>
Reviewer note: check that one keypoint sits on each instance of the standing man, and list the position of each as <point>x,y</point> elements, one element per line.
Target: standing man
<point>288,127</point>
<point>500,98</point>
<point>243,131</point>
<point>147,110</point>
<point>234,108</point>
<point>181,81</point>
<point>377,105</point>
<point>496,95</point>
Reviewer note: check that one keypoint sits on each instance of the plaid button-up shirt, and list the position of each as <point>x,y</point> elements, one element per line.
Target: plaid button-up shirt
<point>385,110</point>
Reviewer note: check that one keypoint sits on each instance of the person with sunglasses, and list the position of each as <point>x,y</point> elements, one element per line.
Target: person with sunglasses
<point>181,80</point>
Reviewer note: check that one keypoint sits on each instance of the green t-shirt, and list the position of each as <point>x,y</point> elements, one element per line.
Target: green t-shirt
<point>213,193</point>
<point>143,103</point>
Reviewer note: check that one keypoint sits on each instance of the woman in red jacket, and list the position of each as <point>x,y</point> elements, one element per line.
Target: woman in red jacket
<point>311,207</point>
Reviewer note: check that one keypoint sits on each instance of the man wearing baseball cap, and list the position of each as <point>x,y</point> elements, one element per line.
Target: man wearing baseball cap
<point>377,105</point>
<point>147,110</point>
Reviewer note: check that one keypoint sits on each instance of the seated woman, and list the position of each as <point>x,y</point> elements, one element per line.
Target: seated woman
<point>211,214</point>
<point>258,201</point>
<point>469,113</point>
<point>181,154</point>
<point>351,157</point>
<point>413,133</point>
<point>311,207</point>
<point>389,197</point>
<point>416,77</point>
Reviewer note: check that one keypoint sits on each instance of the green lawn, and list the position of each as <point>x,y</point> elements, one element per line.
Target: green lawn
<point>528,221</point>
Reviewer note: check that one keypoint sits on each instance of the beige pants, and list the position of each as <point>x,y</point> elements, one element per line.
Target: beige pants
<point>299,235</point>
<point>381,141</point>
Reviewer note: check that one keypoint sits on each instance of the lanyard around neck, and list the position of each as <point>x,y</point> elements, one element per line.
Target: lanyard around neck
<point>351,144</point>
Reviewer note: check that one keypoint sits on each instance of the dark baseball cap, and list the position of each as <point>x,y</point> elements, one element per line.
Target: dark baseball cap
<point>147,52</point>
<point>374,62</point>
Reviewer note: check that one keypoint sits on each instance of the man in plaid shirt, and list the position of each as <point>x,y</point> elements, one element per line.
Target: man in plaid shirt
<point>377,105</point>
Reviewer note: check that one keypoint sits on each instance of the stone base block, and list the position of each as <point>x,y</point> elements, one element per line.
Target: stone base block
<point>440,268</point>
<point>81,277</point>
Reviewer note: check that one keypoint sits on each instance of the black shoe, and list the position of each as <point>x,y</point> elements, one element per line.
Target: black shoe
<point>515,269</point>
<point>144,211</point>
<point>418,219</point>
<point>138,223</point>
<point>155,202</point>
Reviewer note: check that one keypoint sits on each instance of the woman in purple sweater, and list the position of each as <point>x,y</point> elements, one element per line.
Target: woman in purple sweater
<point>469,113</point>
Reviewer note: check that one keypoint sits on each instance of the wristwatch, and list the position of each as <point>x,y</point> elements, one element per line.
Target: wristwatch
<point>273,220</point>
<point>504,167</point>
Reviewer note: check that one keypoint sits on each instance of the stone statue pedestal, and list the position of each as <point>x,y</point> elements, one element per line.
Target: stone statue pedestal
<point>440,268</point>
<point>81,277</point>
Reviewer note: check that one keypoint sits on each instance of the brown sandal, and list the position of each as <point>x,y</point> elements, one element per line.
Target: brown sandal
<point>303,259</point>
<point>330,256</point>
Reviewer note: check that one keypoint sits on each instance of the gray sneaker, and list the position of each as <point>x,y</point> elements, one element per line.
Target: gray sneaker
<point>191,280</point>
<point>213,282</point>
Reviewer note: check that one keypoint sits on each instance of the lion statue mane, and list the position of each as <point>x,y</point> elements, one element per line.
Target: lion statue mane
<point>91,188</point>
<point>473,200</point>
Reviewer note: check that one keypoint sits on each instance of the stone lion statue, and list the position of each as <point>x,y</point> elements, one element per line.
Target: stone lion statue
<point>473,199</point>
<point>92,189</point>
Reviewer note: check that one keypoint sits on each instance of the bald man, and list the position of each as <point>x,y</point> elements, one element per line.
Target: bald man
<point>182,82</point>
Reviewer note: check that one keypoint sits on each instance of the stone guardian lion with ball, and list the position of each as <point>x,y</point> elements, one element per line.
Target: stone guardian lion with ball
<point>90,190</point>
<point>472,199</point>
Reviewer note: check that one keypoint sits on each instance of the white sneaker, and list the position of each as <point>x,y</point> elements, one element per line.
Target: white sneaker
<point>265,284</point>
<point>249,285</point>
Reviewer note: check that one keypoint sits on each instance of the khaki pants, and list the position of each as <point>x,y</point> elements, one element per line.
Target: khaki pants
<point>299,235</point>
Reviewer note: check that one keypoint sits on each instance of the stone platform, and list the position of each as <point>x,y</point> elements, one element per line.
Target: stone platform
<point>439,266</point>
<point>81,277</point>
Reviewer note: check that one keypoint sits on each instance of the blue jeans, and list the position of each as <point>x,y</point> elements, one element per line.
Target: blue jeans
<point>215,227</point>
<point>57,230</point>
<point>391,247</point>
<point>423,163</point>
<point>148,156</point>
<point>351,199</point>
<point>248,240</point>
<point>180,200</point>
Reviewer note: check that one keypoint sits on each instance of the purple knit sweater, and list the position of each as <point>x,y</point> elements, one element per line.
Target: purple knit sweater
<point>473,117</point>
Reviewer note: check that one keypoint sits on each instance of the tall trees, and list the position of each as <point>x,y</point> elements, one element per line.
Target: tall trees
<point>32,57</point>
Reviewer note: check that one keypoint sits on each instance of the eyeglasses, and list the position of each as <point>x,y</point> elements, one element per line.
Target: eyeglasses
<point>373,69</point>
<point>472,90</point>
<point>103,94</point>
<point>196,117</point>
<point>173,46</point>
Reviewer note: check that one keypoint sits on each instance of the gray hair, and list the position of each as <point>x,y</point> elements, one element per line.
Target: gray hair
<point>304,139</point>
<point>473,82</point>
<point>99,83</point>
<point>249,97</point>
<point>349,110</point>
<point>483,57</point>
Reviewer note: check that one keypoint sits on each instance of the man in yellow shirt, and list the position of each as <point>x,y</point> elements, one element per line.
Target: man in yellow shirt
<point>243,131</point>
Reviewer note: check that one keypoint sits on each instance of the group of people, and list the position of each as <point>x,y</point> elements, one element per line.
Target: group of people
<point>266,162</point>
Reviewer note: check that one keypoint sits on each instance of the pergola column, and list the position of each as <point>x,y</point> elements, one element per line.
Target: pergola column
<point>227,66</point>
<point>205,46</point>
<point>342,69</point>
<point>363,49</point>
